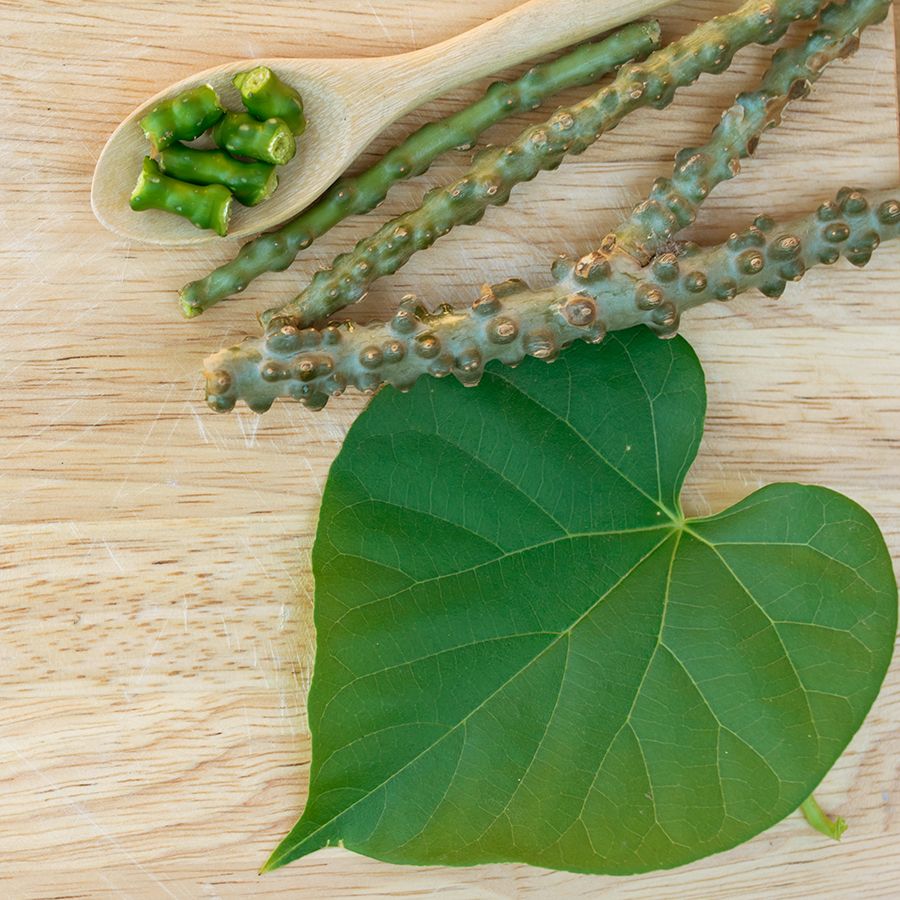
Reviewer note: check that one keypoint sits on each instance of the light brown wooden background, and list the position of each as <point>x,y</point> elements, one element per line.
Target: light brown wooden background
<point>155,593</point>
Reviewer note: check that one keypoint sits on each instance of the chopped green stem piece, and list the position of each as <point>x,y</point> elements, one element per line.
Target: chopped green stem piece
<point>816,816</point>
<point>509,321</point>
<point>354,196</point>
<point>269,142</point>
<point>250,182</point>
<point>266,96</point>
<point>673,203</point>
<point>182,118</point>
<point>496,171</point>
<point>206,206</point>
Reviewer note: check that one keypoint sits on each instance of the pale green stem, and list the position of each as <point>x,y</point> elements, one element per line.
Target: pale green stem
<point>816,816</point>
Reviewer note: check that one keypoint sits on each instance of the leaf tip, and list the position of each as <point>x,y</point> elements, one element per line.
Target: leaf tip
<point>299,842</point>
<point>272,863</point>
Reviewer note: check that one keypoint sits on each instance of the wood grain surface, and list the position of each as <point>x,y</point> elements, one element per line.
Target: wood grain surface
<point>155,592</point>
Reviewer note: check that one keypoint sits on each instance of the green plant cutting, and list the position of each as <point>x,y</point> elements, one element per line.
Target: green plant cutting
<point>526,651</point>
<point>182,118</point>
<point>266,97</point>
<point>249,182</point>
<point>205,206</point>
<point>240,134</point>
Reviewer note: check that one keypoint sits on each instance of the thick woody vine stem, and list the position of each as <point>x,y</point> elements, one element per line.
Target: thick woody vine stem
<point>710,48</point>
<point>509,321</point>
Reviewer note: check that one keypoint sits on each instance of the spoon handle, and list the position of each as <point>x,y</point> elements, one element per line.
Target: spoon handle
<point>524,32</point>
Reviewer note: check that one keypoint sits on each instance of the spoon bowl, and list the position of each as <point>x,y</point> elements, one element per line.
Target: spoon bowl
<point>326,147</point>
<point>346,102</point>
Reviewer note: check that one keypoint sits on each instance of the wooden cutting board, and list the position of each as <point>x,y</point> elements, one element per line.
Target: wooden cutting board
<point>155,591</point>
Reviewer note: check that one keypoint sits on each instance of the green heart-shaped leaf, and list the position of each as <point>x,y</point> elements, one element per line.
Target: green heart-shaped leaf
<point>527,653</point>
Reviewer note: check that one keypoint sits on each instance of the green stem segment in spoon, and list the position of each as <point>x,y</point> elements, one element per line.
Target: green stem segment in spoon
<point>241,135</point>
<point>207,206</point>
<point>182,118</point>
<point>266,96</point>
<point>250,182</point>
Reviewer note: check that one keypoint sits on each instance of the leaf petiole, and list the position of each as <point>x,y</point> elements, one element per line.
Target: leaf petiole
<point>816,816</point>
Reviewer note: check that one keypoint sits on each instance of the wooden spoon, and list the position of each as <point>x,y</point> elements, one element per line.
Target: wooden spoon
<point>347,102</point>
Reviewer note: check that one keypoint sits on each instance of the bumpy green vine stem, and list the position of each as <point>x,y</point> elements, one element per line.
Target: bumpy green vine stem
<point>496,171</point>
<point>674,202</point>
<point>509,321</point>
<point>354,196</point>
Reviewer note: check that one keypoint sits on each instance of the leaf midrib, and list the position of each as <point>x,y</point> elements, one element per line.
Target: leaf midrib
<point>576,535</point>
